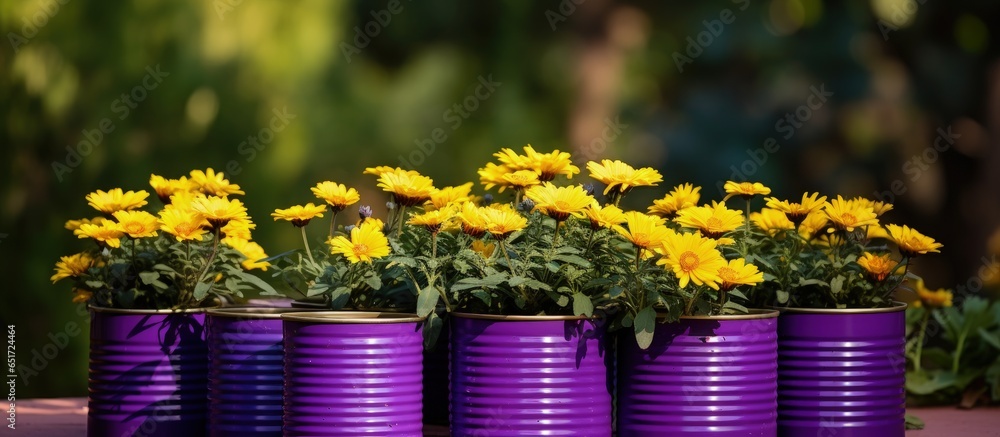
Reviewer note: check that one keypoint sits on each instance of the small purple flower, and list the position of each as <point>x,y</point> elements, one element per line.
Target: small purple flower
<point>365,211</point>
<point>348,228</point>
<point>487,199</point>
<point>526,205</point>
<point>589,188</point>
<point>390,205</point>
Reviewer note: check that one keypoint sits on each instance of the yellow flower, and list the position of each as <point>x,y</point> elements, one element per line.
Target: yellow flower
<point>443,197</point>
<point>167,187</point>
<point>911,243</point>
<point>939,298</point>
<point>797,212</point>
<point>299,215</point>
<point>510,159</point>
<point>338,196</point>
<point>237,229</point>
<point>846,215</point>
<point>473,220</point>
<point>620,176</point>
<point>367,242</point>
<point>432,220</point>
<point>644,231</point>
<point>183,199</point>
<point>72,266</point>
<point>106,234</point>
<point>546,165</point>
<point>681,197</point>
<point>183,225</point>
<point>693,258</point>
<point>73,225</point>
<point>712,221</point>
<point>137,224</point>
<point>771,220</point>
<point>213,184</point>
<point>115,200</point>
<point>877,266</point>
<point>409,188</point>
<point>520,179</point>
<point>738,272</point>
<point>877,231</point>
<point>372,221</point>
<point>80,295</point>
<point>745,189</point>
<point>486,250</point>
<point>559,202</point>
<point>813,225</point>
<point>608,217</point>
<point>877,207</point>
<point>501,222</point>
<point>219,211</point>
<point>493,175</point>
<point>382,169</point>
<point>251,251</point>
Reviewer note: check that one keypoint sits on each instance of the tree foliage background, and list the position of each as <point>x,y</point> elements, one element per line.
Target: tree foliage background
<point>694,89</point>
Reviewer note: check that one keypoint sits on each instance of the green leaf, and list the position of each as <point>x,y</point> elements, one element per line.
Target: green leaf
<point>582,306</point>
<point>914,422</point>
<point>782,296</point>
<point>990,338</point>
<point>339,297</point>
<point>427,300</point>
<point>616,291</point>
<point>201,290</point>
<point>264,287</point>
<point>923,383</point>
<point>837,284</point>
<point>374,282</point>
<point>482,295</point>
<point>645,324</point>
<point>736,307</point>
<point>573,259</point>
<point>149,277</point>
<point>317,289</point>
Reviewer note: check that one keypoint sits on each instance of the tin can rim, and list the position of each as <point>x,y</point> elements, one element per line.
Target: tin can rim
<point>519,318</point>
<point>896,306</point>
<point>753,314</point>
<point>98,309</point>
<point>249,312</point>
<point>352,317</point>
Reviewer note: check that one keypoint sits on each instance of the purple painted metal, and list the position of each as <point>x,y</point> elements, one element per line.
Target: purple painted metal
<point>842,372</point>
<point>245,372</point>
<point>436,379</point>
<point>529,375</point>
<point>148,373</point>
<point>353,373</point>
<point>701,375</point>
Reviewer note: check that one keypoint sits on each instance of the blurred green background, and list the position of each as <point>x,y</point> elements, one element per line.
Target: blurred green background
<point>323,89</point>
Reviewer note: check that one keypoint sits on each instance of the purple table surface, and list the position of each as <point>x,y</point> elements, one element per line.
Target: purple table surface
<point>67,417</point>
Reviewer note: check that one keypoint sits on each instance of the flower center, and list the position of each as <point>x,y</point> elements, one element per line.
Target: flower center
<point>714,223</point>
<point>727,274</point>
<point>689,261</point>
<point>848,218</point>
<point>360,249</point>
<point>135,228</point>
<point>746,187</point>
<point>561,205</point>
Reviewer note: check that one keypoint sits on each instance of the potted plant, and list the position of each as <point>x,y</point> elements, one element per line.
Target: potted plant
<point>692,358</point>
<point>528,350</point>
<point>148,280</point>
<point>832,272</point>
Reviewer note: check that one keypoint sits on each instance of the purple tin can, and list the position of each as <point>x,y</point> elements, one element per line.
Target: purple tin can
<point>842,372</point>
<point>529,375</point>
<point>245,373</point>
<point>353,373</point>
<point>148,373</point>
<point>701,375</point>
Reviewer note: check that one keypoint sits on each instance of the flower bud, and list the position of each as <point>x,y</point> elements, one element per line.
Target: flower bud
<point>390,205</point>
<point>487,199</point>
<point>526,205</point>
<point>365,211</point>
<point>348,228</point>
<point>589,188</point>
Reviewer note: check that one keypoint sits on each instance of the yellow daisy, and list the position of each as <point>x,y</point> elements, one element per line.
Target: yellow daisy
<point>219,211</point>
<point>432,220</point>
<point>473,220</point>
<point>606,217</point>
<point>237,229</point>
<point>501,222</point>
<point>877,231</point>
<point>910,242</point>
<point>493,175</point>
<point>939,298</point>
<point>213,184</point>
<point>80,296</point>
<point>338,196</point>
<point>681,197</point>
<point>797,211</point>
<point>299,215</point>
<point>367,243</point>
<point>484,249</point>
<point>167,187</point>
<point>73,225</point>
<point>408,188</point>
<point>137,224</point>
<point>549,165</point>
<point>521,179</point>
<point>712,221</point>
<point>72,266</point>
<point>183,199</point>
<point>510,159</point>
<point>622,177</point>
<point>559,202</point>
<point>846,215</point>
<point>443,197</point>
<point>737,272</point>
<point>183,225</point>
<point>878,207</point>
<point>115,200</point>
<point>744,189</point>
<point>252,252</point>
<point>771,220</point>
<point>644,231</point>
<point>382,169</point>
<point>106,234</point>
<point>813,225</point>
<point>693,258</point>
<point>878,267</point>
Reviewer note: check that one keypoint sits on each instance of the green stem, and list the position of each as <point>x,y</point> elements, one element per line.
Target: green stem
<point>402,218</point>
<point>434,245</point>
<point>590,241</point>
<point>555,236</point>
<point>690,304</point>
<point>333,222</point>
<point>305,242</point>
<point>958,351</point>
<point>920,338</point>
<point>211,257</point>
<point>503,248</point>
